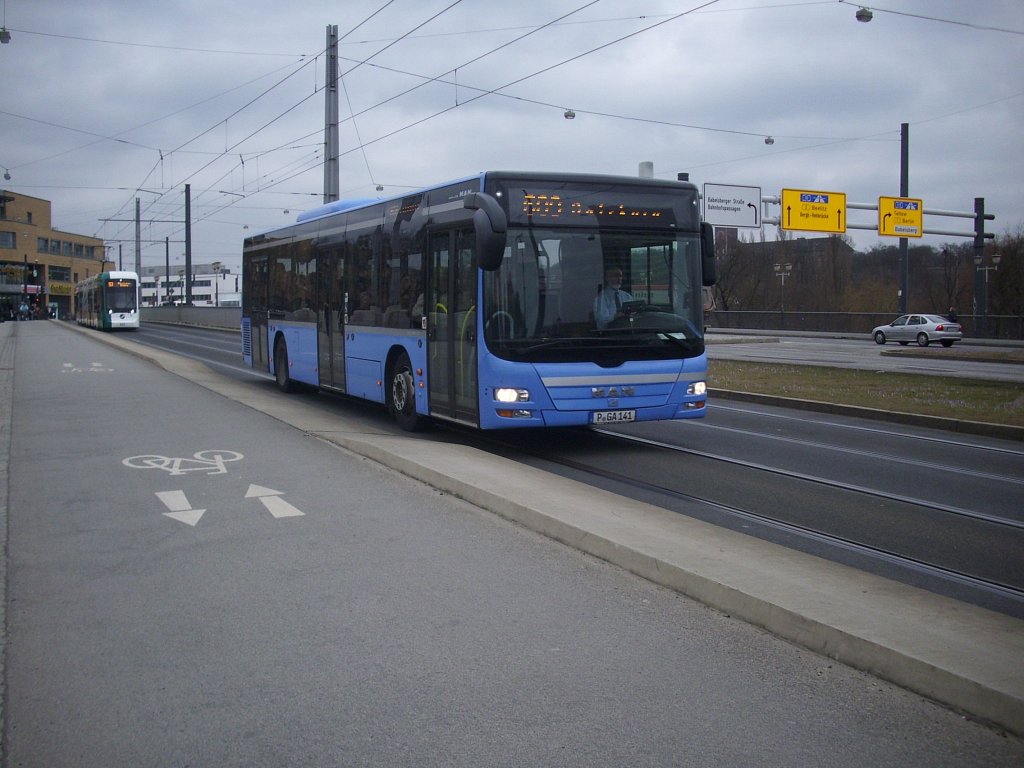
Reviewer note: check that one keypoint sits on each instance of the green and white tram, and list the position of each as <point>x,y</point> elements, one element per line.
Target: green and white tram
<point>108,301</point>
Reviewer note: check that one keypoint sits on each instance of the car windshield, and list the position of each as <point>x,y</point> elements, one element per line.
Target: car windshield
<point>562,295</point>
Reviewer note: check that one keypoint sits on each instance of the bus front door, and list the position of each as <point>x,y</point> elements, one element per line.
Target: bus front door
<point>331,318</point>
<point>451,326</point>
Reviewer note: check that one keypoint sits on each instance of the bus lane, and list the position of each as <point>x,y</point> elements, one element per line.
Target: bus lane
<point>191,581</point>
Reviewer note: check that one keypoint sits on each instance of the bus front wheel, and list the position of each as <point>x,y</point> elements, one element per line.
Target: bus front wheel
<point>402,395</point>
<point>284,379</point>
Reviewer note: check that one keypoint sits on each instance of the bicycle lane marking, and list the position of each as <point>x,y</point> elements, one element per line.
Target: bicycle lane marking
<point>210,462</point>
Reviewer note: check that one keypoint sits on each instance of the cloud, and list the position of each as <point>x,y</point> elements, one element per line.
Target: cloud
<point>160,94</point>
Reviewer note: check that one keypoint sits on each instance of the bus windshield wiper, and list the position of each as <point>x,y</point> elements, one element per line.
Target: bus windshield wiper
<point>678,339</point>
<point>569,341</point>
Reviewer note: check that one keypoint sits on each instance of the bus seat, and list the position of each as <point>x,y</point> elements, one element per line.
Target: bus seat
<point>396,317</point>
<point>366,317</point>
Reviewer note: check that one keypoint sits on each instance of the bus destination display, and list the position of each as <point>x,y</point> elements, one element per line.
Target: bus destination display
<point>530,204</point>
<point>554,206</point>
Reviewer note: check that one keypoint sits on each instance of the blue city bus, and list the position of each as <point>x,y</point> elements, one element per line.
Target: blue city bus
<point>488,301</point>
<point>108,301</point>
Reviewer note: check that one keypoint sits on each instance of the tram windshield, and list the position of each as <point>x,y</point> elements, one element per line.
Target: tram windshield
<point>121,295</point>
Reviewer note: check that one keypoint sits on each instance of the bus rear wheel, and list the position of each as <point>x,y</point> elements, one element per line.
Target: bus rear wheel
<point>402,395</point>
<point>281,374</point>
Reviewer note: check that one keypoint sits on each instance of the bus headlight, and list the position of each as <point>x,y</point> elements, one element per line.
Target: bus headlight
<point>510,395</point>
<point>697,388</point>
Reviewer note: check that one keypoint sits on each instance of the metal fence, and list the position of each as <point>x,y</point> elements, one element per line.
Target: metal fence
<point>976,326</point>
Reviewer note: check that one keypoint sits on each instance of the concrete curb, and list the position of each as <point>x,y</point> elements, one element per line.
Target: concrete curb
<point>965,657</point>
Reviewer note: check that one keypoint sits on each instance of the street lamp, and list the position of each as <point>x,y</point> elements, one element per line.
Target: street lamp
<point>216,283</point>
<point>5,36</point>
<point>782,271</point>
<point>979,266</point>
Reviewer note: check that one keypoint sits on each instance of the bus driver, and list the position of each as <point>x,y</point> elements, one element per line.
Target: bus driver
<point>610,298</point>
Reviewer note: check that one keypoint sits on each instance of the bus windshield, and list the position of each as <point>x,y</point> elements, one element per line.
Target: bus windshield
<point>564,295</point>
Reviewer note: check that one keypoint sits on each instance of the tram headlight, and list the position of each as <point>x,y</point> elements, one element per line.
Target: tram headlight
<point>697,388</point>
<point>511,395</point>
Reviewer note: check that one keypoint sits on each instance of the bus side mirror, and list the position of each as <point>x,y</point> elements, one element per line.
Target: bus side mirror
<point>708,263</point>
<point>491,228</point>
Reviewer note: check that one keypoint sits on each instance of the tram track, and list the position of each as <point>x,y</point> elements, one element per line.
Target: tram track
<point>953,442</point>
<point>949,509</point>
<point>898,560</point>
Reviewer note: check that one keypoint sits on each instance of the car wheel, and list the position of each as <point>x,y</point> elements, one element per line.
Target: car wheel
<point>281,374</point>
<point>879,337</point>
<point>922,339</point>
<point>402,395</point>
<point>947,342</point>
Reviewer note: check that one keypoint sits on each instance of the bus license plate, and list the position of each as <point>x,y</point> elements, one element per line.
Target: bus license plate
<point>614,417</point>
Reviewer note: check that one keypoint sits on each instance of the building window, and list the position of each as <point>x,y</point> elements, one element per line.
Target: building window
<point>42,245</point>
<point>62,274</point>
<point>7,240</point>
<point>55,247</point>
<point>66,249</point>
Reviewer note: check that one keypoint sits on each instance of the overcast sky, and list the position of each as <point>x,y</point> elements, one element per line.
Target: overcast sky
<point>100,98</point>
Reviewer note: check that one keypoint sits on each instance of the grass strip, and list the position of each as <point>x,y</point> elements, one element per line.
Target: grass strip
<point>991,402</point>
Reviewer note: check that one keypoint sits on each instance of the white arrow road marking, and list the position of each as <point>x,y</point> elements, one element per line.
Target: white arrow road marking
<point>272,500</point>
<point>181,510</point>
<point>174,500</point>
<point>188,516</point>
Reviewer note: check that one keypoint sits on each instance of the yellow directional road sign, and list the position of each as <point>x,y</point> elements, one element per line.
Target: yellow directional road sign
<point>900,217</point>
<point>812,211</point>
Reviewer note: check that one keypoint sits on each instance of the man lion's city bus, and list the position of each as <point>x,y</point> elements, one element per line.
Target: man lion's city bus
<point>108,301</point>
<point>498,301</point>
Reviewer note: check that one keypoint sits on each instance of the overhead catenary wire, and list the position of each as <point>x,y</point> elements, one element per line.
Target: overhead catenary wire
<point>483,92</point>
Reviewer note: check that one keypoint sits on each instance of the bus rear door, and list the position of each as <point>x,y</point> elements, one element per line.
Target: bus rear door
<point>255,297</point>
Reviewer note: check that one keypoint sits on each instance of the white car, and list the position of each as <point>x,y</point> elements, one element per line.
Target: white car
<point>923,329</point>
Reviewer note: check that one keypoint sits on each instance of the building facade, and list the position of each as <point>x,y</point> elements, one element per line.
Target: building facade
<point>39,265</point>
<point>213,285</point>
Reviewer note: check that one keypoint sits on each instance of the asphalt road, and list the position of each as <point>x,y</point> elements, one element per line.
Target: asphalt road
<point>192,582</point>
<point>860,354</point>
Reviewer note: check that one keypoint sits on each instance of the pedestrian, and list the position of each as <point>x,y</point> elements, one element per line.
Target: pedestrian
<point>952,314</point>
